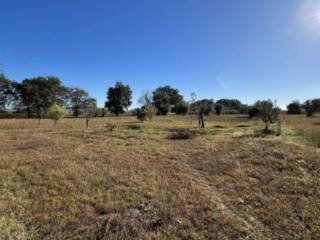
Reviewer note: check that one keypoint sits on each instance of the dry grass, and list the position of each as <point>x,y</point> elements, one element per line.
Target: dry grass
<point>121,179</point>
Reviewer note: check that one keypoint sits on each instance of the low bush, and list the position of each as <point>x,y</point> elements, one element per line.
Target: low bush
<point>182,134</point>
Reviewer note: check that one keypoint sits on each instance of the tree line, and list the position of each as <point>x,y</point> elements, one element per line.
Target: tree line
<point>36,96</point>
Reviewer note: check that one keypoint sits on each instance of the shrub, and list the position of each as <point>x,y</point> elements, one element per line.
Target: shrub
<point>141,114</point>
<point>267,113</point>
<point>294,108</point>
<point>145,112</point>
<point>150,111</point>
<point>163,109</point>
<point>56,113</point>
<point>180,108</point>
<point>218,108</point>
<point>309,108</point>
<point>181,134</point>
<point>253,111</point>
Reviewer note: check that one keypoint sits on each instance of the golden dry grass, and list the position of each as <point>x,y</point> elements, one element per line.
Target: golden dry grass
<point>132,182</point>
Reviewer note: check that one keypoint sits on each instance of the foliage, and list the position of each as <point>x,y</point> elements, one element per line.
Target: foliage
<point>243,109</point>
<point>267,112</point>
<point>141,114</point>
<point>7,92</point>
<point>37,95</point>
<point>145,112</point>
<point>311,106</point>
<point>218,108</point>
<point>145,98</point>
<point>204,106</point>
<point>164,98</point>
<point>294,108</point>
<point>181,134</point>
<point>180,108</point>
<point>229,103</point>
<point>79,101</point>
<point>253,111</point>
<point>150,111</point>
<point>57,112</point>
<point>118,98</point>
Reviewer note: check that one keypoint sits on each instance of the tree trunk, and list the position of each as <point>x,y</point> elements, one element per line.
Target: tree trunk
<point>201,120</point>
<point>87,122</point>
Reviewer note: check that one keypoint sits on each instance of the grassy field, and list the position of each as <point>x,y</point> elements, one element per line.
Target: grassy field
<point>121,179</point>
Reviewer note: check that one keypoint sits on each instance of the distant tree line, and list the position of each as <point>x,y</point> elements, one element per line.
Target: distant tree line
<point>35,96</point>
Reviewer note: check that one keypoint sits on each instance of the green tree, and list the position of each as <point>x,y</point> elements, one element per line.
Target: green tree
<point>294,107</point>
<point>37,95</point>
<point>218,108</point>
<point>164,98</point>
<point>56,113</point>
<point>311,106</point>
<point>267,112</point>
<point>8,93</point>
<point>202,107</point>
<point>79,101</point>
<point>180,108</point>
<point>118,98</point>
<point>229,104</point>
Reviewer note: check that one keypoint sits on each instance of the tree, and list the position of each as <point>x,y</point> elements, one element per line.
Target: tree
<point>253,111</point>
<point>202,107</point>
<point>267,112</point>
<point>218,108</point>
<point>230,104</point>
<point>118,98</point>
<point>56,113</point>
<point>164,98</point>
<point>145,98</point>
<point>294,108</point>
<point>311,106</point>
<point>79,101</point>
<point>180,108</point>
<point>9,98</point>
<point>141,114</point>
<point>150,111</point>
<point>37,95</point>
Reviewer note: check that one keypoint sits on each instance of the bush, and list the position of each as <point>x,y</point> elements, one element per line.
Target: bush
<point>163,109</point>
<point>294,108</point>
<point>56,113</point>
<point>181,108</point>
<point>253,111</point>
<point>267,113</point>
<point>310,108</point>
<point>145,112</point>
<point>141,114</point>
<point>218,108</point>
<point>149,111</point>
<point>181,134</point>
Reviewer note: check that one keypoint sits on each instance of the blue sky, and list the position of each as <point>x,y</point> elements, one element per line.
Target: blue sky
<point>248,49</point>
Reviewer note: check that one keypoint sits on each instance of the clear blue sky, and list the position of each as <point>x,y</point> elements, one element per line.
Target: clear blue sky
<point>248,49</point>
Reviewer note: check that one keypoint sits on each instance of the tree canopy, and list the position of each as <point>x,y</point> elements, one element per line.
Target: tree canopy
<point>118,98</point>
<point>164,98</point>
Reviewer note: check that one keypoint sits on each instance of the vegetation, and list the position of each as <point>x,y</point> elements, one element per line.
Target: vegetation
<point>56,113</point>
<point>180,108</point>
<point>311,106</point>
<point>267,112</point>
<point>218,108</point>
<point>79,101</point>
<point>113,181</point>
<point>164,98</point>
<point>202,107</point>
<point>118,98</point>
<point>294,108</point>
